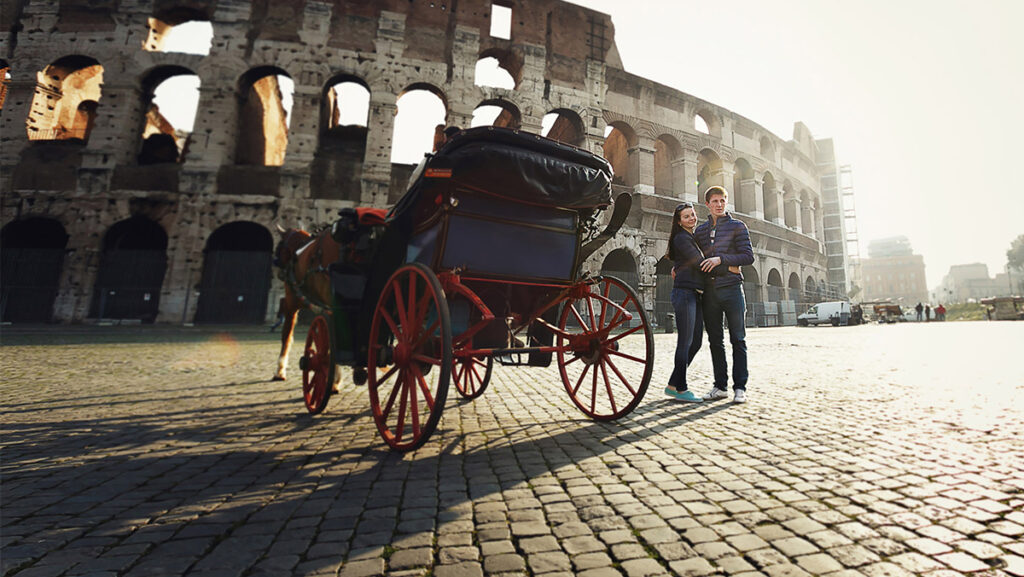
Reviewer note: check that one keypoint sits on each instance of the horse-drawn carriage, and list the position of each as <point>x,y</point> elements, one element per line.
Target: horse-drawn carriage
<point>480,260</point>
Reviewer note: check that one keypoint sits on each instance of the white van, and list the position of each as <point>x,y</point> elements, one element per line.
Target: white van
<point>834,312</point>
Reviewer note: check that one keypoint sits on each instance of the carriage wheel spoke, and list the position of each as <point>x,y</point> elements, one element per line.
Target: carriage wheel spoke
<point>590,311</point>
<point>583,324</point>
<point>427,396</point>
<point>394,394</point>
<point>390,322</point>
<point>608,388</point>
<point>625,334</point>
<point>625,356</point>
<point>387,375</point>
<point>400,425</point>
<point>579,382</point>
<point>618,374</point>
<point>414,405</point>
<point>593,393</point>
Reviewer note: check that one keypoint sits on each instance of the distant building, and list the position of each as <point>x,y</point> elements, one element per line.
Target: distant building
<point>971,281</point>
<point>893,271</point>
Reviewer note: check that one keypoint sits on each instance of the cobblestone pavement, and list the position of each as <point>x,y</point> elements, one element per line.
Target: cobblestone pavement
<point>872,450</point>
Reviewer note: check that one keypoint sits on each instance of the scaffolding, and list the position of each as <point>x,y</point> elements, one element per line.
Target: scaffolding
<point>850,227</point>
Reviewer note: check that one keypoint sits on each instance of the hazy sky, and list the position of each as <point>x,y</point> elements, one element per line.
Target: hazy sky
<point>925,99</point>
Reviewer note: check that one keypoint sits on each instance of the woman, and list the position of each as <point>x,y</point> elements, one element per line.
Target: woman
<point>687,287</point>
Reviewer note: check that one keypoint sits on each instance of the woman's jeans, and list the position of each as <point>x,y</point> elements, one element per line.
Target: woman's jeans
<point>689,326</point>
<point>726,302</point>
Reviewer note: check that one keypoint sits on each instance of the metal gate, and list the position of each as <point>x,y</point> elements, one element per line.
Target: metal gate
<point>128,285</point>
<point>30,278</point>
<point>663,302</point>
<point>235,287</point>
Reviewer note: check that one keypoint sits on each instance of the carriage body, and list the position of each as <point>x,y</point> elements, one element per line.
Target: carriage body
<point>481,260</point>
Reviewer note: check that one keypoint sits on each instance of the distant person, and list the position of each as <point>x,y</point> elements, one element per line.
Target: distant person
<point>724,241</point>
<point>919,308</point>
<point>927,312</point>
<point>940,313</point>
<point>687,287</point>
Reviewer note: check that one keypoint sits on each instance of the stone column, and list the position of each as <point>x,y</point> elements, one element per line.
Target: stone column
<point>13,137</point>
<point>679,177</point>
<point>758,186</point>
<point>689,162</point>
<point>212,142</point>
<point>377,158</point>
<point>806,219</point>
<point>780,206</point>
<point>304,125</point>
<point>115,135</point>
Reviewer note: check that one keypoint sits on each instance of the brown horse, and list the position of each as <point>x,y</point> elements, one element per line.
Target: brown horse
<point>303,259</point>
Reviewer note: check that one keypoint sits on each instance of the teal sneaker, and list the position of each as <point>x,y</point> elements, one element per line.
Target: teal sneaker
<point>688,397</point>
<point>671,391</point>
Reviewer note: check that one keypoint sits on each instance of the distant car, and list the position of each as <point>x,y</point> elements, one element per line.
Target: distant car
<point>833,312</point>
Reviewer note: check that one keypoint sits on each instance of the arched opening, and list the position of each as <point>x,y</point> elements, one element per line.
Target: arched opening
<point>775,289</point>
<point>706,122</point>
<point>794,287</point>
<point>32,254</point>
<point>663,293</point>
<point>770,198</point>
<point>563,125</point>
<point>666,150</point>
<point>620,263</point>
<point>499,69</point>
<point>810,290</point>
<point>179,29</point>
<point>337,168</point>
<point>743,187</point>
<point>131,271</point>
<point>619,138</point>
<point>709,171</point>
<point>236,275</point>
<point>755,302</point>
<point>265,103</point>
<point>496,113</point>
<point>64,105</point>
<point>701,125</point>
<point>420,110</point>
<point>171,99</point>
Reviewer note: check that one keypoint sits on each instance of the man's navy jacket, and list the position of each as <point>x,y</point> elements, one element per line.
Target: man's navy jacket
<point>730,240</point>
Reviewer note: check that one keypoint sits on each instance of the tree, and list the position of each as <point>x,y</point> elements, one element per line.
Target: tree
<point>1015,256</point>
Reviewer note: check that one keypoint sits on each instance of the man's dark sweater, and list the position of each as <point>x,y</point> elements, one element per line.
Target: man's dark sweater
<point>729,240</point>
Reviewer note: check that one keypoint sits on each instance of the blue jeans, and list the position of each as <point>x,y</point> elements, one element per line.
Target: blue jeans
<point>728,302</point>
<point>689,325</point>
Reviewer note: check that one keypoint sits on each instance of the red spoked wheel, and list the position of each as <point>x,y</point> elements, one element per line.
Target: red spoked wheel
<point>410,357</point>
<point>317,366</point>
<point>607,358</point>
<point>471,375</point>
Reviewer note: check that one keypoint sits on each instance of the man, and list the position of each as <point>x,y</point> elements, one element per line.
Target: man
<point>725,243</point>
<point>919,308</point>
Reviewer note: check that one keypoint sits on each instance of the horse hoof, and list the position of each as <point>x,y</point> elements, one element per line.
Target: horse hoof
<point>277,378</point>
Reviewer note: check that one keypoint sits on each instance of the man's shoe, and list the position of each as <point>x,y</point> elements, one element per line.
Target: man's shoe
<point>671,391</point>
<point>688,397</point>
<point>715,393</point>
<point>741,396</point>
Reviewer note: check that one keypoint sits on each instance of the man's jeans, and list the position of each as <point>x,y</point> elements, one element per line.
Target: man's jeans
<point>689,326</point>
<point>728,302</point>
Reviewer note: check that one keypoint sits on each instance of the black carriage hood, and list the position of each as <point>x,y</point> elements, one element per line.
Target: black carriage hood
<point>520,166</point>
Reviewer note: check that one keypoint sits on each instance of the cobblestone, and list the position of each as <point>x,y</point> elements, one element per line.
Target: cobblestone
<point>866,450</point>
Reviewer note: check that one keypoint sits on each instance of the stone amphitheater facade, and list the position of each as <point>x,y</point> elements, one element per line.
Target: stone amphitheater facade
<point>82,185</point>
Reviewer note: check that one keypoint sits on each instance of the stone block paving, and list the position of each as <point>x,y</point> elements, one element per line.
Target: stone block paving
<point>872,450</point>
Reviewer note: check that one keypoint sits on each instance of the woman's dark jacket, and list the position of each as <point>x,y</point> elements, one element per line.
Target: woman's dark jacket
<point>687,262</point>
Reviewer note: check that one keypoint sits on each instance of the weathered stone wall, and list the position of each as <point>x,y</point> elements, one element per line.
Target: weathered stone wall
<point>562,57</point>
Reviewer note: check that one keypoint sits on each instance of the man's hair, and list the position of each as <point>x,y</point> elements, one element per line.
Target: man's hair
<point>715,190</point>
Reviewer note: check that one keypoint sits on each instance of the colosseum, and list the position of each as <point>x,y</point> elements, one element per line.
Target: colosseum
<point>113,213</point>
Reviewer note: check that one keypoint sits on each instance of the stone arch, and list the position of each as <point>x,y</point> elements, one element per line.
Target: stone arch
<point>563,125</point>
<point>794,286</point>
<point>498,112</point>
<point>263,110</point>
<point>165,139</point>
<point>776,291</point>
<point>622,264</point>
<point>421,109</point>
<point>666,151</point>
<point>709,171</point>
<point>743,187</point>
<point>710,120</point>
<point>751,283</point>
<point>63,87</point>
<point>492,63</point>
<point>131,272</point>
<point>770,198</point>
<point>619,138</point>
<point>32,260</point>
<point>337,168</point>
<point>180,28</point>
<point>811,288</point>
<point>236,274</point>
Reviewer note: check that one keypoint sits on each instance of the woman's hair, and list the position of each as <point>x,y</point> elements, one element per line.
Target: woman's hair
<point>676,229</point>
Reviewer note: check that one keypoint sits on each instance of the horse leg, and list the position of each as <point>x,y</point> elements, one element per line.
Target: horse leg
<point>287,335</point>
